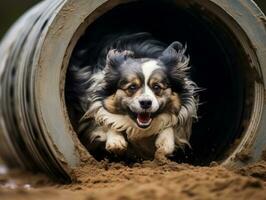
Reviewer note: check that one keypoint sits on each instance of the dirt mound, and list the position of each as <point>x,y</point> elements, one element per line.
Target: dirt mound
<point>149,180</point>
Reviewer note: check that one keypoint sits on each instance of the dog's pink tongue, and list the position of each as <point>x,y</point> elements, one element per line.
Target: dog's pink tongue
<point>144,117</point>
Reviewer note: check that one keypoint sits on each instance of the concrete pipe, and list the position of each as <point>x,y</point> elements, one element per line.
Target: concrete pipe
<point>227,44</point>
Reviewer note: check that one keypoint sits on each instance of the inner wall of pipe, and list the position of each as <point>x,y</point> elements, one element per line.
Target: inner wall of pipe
<point>219,67</point>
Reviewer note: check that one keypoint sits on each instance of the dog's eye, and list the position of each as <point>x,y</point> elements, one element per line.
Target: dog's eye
<point>156,88</point>
<point>132,88</point>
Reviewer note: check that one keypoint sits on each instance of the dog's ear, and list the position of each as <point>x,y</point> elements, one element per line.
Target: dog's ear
<point>115,58</point>
<point>177,65</point>
<point>174,56</point>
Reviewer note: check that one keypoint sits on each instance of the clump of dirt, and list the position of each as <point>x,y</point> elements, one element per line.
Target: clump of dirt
<point>257,170</point>
<point>244,155</point>
<point>263,156</point>
<point>149,180</point>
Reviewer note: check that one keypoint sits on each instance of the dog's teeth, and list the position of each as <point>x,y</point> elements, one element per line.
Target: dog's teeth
<point>141,123</point>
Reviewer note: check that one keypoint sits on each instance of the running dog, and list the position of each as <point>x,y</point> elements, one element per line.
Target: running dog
<point>137,88</point>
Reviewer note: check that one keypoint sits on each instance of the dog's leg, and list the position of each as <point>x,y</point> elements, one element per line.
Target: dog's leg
<point>115,142</point>
<point>165,144</point>
<point>98,135</point>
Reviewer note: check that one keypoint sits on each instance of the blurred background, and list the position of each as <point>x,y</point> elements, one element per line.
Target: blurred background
<point>10,10</point>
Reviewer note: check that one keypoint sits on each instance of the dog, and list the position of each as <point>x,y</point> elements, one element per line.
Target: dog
<point>135,95</point>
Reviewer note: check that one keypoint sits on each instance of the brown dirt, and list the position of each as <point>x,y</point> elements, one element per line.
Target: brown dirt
<point>263,156</point>
<point>150,180</point>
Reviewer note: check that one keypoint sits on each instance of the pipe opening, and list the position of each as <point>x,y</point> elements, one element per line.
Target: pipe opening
<point>219,65</point>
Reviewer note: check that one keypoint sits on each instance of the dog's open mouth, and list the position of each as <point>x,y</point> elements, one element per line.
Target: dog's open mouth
<point>144,119</point>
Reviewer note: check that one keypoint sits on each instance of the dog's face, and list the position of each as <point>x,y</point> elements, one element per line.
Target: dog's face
<point>142,88</point>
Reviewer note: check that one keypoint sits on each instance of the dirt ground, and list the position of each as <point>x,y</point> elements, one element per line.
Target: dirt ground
<point>149,180</point>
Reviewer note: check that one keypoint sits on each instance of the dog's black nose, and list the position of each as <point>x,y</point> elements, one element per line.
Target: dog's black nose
<point>145,104</point>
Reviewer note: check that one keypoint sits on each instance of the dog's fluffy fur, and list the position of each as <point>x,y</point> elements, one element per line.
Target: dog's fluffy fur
<point>134,88</point>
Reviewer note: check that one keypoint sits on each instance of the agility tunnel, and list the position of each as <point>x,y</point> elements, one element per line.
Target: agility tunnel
<point>227,44</point>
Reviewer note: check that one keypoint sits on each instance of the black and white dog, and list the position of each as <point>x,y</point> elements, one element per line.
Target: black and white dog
<point>135,89</point>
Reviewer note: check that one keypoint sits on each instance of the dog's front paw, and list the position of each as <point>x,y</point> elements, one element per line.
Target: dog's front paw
<point>116,143</point>
<point>165,144</point>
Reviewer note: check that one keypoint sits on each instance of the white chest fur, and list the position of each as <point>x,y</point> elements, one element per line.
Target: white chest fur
<point>123,123</point>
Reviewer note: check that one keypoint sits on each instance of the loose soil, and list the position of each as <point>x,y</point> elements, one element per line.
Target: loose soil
<point>149,180</point>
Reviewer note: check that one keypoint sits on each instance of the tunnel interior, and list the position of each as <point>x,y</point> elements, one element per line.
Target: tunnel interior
<point>219,67</point>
